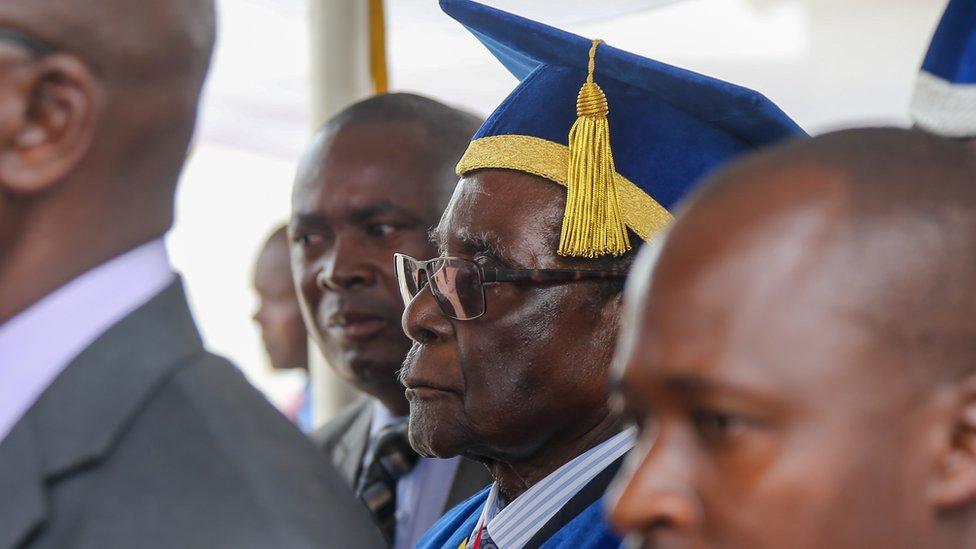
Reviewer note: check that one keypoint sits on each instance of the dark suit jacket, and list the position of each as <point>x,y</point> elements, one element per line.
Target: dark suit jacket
<point>146,440</point>
<point>344,441</point>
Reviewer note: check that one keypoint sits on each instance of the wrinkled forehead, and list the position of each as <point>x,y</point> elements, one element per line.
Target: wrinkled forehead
<point>512,215</point>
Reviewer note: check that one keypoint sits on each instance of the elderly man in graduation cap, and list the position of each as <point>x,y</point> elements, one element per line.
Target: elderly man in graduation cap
<point>944,102</point>
<point>514,324</point>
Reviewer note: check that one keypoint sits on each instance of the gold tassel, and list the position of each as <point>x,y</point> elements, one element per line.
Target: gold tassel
<point>592,224</point>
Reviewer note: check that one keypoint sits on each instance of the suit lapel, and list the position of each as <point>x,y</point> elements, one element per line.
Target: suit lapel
<point>22,504</point>
<point>348,453</point>
<point>86,410</point>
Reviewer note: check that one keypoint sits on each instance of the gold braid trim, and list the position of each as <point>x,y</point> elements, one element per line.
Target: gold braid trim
<point>644,215</point>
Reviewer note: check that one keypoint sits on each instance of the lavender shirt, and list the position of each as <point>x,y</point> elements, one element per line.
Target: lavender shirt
<point>40,342</point>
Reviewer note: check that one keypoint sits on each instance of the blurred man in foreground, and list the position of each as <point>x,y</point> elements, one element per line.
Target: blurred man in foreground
<point>514,321</point>
<point>375,180</point>
<point>944,102</point>
<point>117,428</point>
<point>801,359</point>
<point>280,317</point>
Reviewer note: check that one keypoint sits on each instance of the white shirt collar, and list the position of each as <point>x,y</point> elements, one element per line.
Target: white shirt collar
<point>382,417</point>
<point>512,526</point>
<point>40,342</point>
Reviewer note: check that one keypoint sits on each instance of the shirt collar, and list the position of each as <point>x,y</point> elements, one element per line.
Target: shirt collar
<point>514,524</point>
<point>40,342</point>
<point>382,417</point>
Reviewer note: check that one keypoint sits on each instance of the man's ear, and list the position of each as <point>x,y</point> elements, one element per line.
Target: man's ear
<point>954,484</point>
<point>48,124</point>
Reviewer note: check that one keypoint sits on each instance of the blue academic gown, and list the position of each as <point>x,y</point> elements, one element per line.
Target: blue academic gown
<point>587,530</point>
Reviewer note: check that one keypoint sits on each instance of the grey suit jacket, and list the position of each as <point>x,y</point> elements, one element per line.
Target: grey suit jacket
<point>146,440</point>
<point>344,441</point>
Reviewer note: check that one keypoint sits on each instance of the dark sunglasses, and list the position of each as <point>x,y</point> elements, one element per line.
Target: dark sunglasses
<point>458,285</point>
<point>26,41</point>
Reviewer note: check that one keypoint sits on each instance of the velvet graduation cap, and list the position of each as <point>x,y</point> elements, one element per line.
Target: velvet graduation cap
<point>628,136</point>
<point>944,102</point>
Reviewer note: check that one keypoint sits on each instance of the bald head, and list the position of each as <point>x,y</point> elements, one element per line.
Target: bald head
<point>804,348</point>
<point>440,131</point>
<point>123,40</point>
<point>94,130</point>
<point>132,73</point>
<point>880,223</point>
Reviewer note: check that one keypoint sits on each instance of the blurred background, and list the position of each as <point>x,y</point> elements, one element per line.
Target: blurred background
<point>282,66</point>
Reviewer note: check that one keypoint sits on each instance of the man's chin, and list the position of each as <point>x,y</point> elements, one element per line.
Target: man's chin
<point>433,433</point>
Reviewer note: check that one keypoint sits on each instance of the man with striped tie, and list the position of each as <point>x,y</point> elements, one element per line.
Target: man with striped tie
<point>514,322</point>
<point>375,179</point>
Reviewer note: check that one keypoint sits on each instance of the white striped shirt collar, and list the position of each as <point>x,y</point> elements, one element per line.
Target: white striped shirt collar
<point>513,525</point>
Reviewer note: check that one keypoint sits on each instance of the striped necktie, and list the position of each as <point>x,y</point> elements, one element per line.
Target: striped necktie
<point>390,458</point>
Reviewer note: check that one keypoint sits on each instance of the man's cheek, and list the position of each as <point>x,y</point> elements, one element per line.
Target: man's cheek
<point>778,503</point>
<point>485,360</point>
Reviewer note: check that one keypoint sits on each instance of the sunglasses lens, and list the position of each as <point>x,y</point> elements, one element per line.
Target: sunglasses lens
<point>456,284</point>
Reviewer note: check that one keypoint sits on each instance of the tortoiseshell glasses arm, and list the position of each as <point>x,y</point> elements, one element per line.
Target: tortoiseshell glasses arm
<point>547,275</point>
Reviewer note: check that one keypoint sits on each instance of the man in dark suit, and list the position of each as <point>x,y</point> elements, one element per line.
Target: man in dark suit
<point>375,179</point>
<point>117,428</point>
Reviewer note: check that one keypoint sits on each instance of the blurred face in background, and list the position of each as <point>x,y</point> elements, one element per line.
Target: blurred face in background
<point>364,191</point>
<point>279,315</point>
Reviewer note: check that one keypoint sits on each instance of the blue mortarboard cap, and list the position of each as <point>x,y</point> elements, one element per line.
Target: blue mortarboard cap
<point>667,126</point>
<point>944,102</point>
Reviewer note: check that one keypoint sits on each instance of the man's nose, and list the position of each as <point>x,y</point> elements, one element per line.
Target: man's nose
<point>423,320</point>
<point>655,495</point>
<point>345,268</point>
